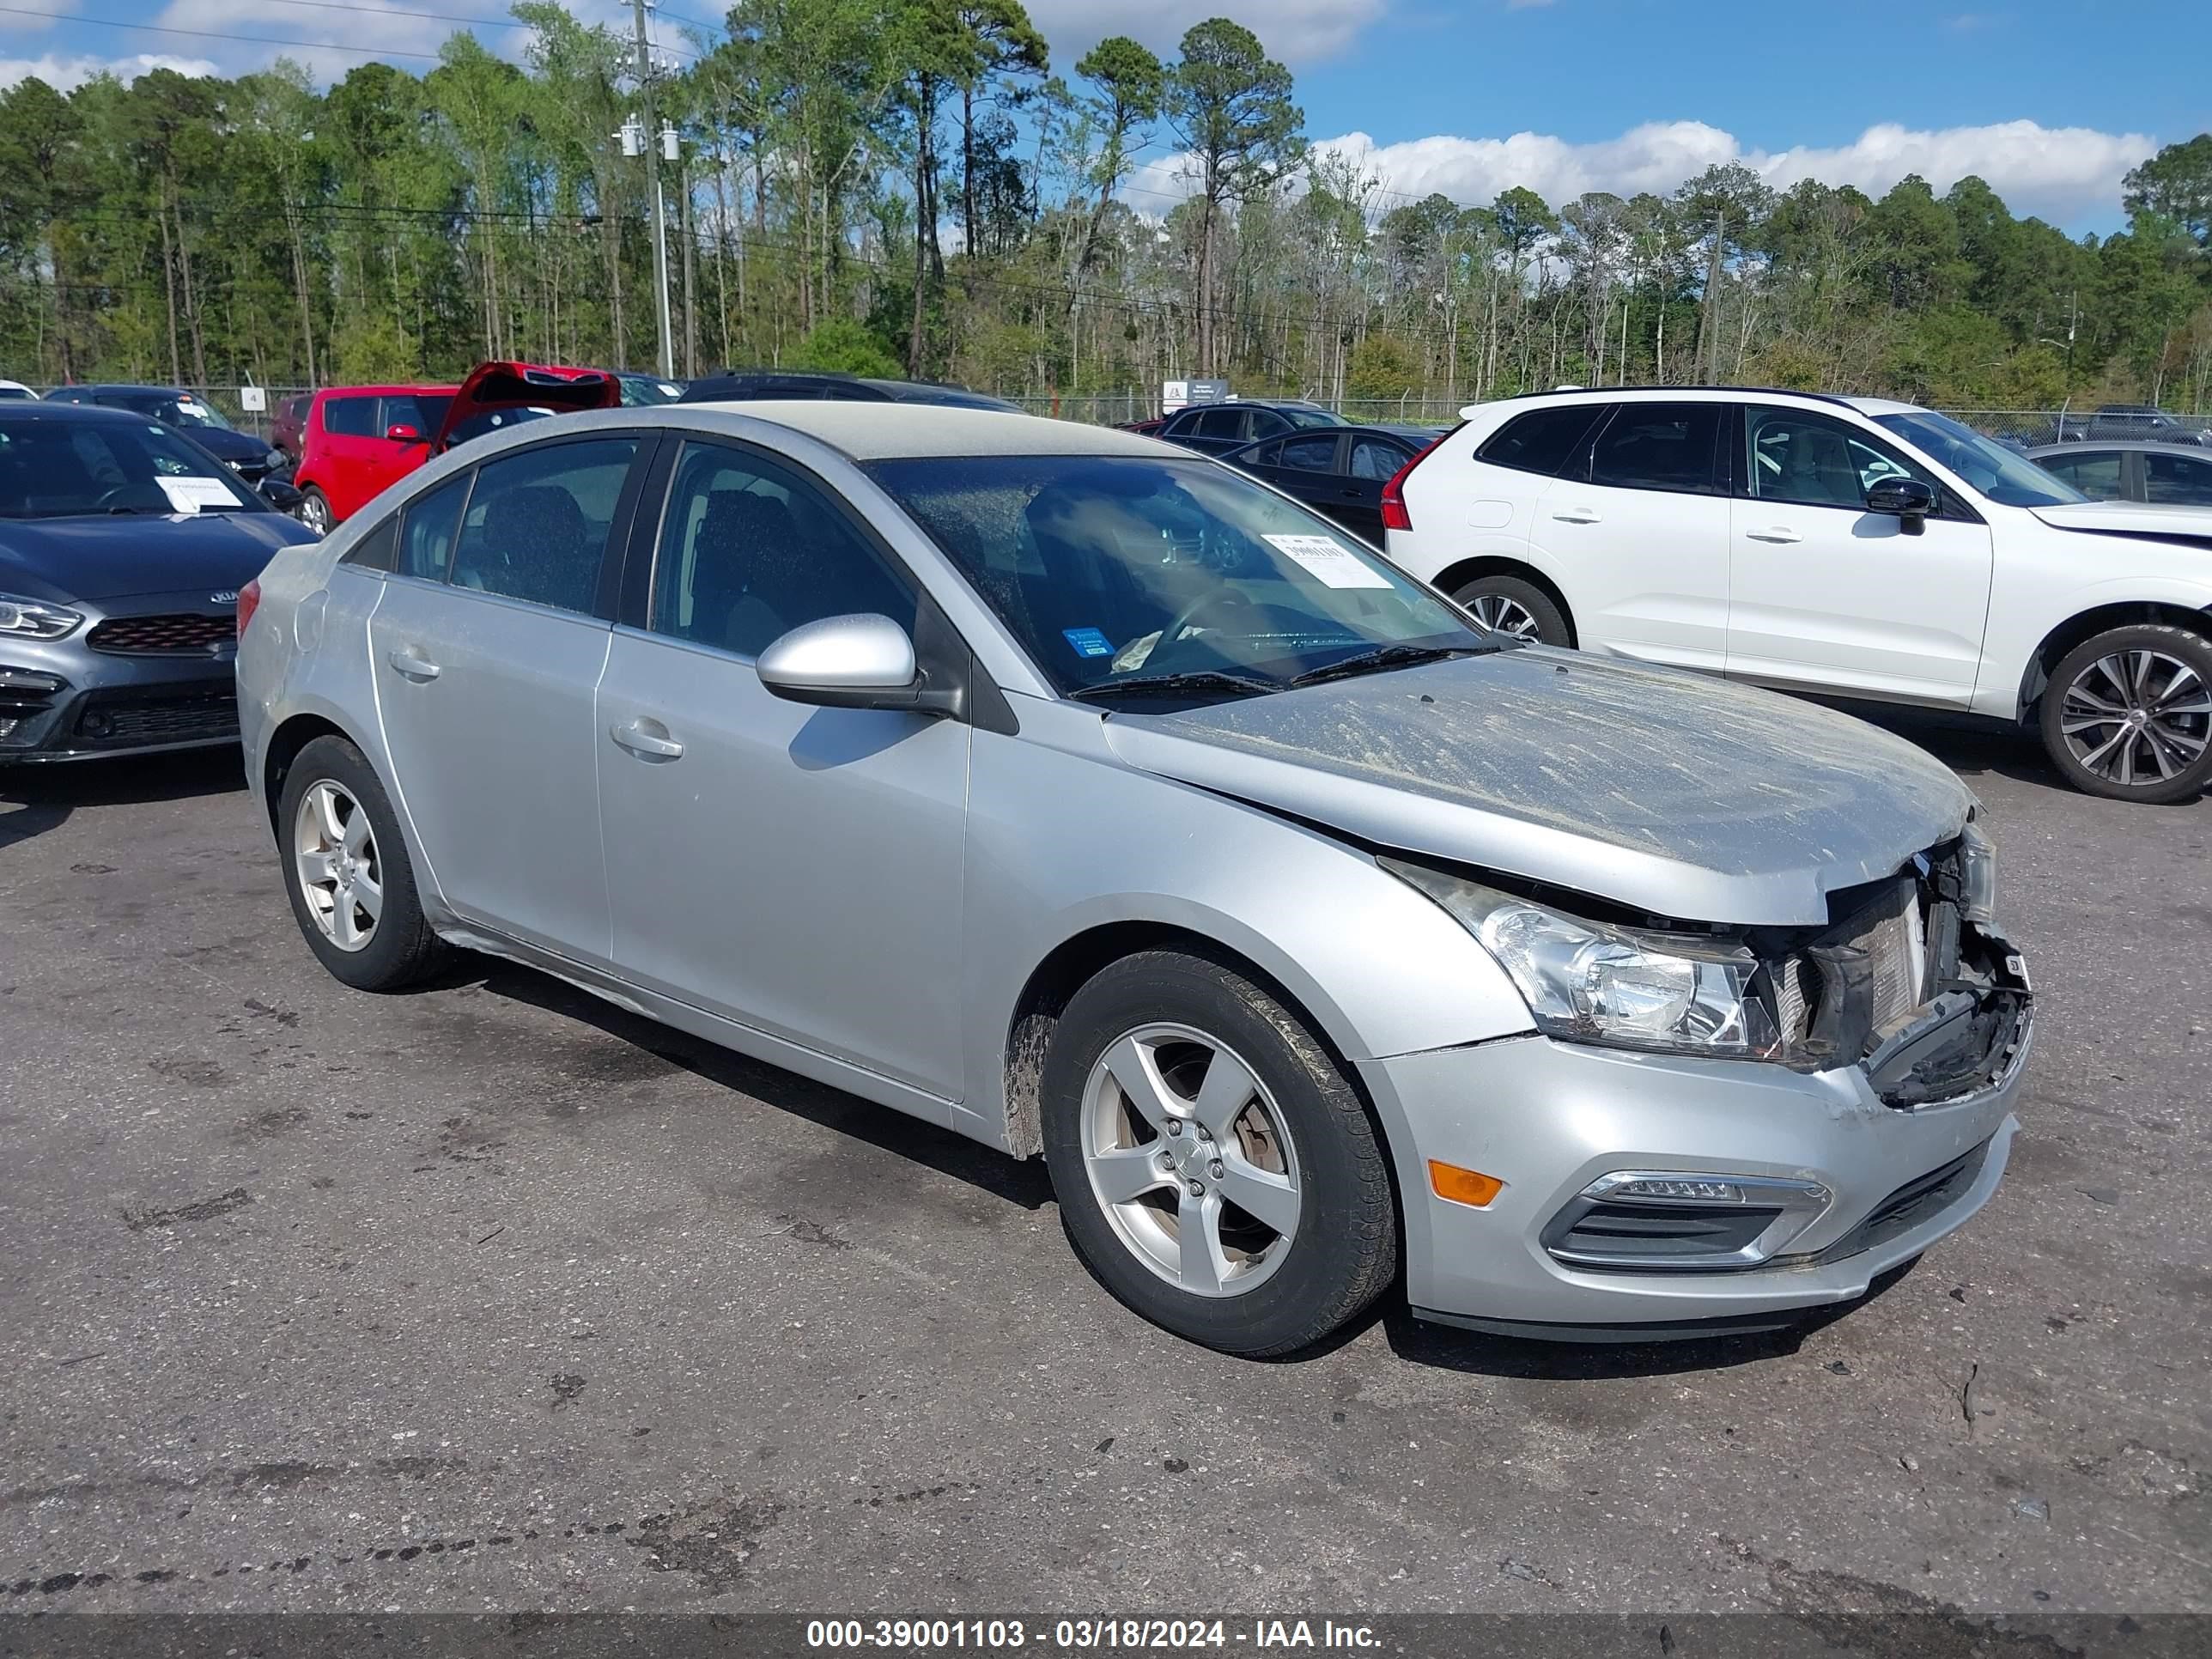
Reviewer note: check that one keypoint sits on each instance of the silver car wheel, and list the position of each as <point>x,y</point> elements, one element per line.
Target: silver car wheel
<point>315,513</point>
<point>335,862</point>
<point>1502,615</point>
<point>2137,717</point>
<point>1191,1160</point>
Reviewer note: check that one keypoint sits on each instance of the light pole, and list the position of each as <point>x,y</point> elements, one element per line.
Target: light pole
<point>638,135</point>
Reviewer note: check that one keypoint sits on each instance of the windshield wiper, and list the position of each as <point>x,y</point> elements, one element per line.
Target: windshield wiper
<point>1198,681</point>
<point>1387,656</point>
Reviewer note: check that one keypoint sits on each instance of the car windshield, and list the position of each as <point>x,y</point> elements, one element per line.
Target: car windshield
<point>51,469</point>
<point>1163,573</point>
<point>1297,417</point>
<point>190,412</point>
<point>491,421</point>
<point>2005,475</point>
<point>645,389</point>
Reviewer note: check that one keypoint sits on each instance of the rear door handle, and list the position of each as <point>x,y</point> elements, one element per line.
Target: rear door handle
<point>410,661</point>
<point>1577,515</point>
<point>1774,532</point>
<point>647,740</point>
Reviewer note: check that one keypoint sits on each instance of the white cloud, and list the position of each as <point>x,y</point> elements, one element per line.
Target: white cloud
<point>64,71</point>
<point>1295,31</point>
<point>2065,174</point>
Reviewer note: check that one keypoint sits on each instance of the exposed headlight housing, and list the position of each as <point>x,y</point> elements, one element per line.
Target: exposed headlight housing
<point>35,619</point>
<point>1587,981</point>
<point>1978,876</point>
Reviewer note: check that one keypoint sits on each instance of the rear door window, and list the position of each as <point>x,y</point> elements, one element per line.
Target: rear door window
<point>2176,480</point>
<point>1375,461</point>
<point>1669,446</point>
<point>538,522</point>
<point>1219,423</point>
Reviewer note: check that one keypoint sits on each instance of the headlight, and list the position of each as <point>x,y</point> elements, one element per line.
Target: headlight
<point>1587,982</point>
<point>1978,869</point>
<point>31,619</point>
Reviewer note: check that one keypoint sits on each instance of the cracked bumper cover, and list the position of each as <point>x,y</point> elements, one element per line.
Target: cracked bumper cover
<point>1549,1118</point>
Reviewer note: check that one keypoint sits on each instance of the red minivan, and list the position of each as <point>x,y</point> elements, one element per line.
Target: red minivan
<point>360,438</point>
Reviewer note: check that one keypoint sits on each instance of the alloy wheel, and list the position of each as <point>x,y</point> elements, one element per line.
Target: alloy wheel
<point>335,862</point>
<point>2137,717</point>
<point>1503,614</point>
<point>1190,1158</point>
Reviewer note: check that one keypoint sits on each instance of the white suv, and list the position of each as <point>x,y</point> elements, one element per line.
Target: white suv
<point>1845,546</point>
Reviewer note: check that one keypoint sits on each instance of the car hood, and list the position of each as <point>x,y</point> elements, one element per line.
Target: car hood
<point>225,444</point>
<point>2128,518</point>
<point>109,557</point>
<point>1685,797</point>
<point>526,386</point>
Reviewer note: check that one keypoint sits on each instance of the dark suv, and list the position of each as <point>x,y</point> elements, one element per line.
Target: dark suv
<point>1217,429</point>
<point>783,384</point>
<point>2141,422</point>
<point>245,454</point>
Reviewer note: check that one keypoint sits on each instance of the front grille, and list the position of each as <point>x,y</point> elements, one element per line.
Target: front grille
<point>178,633</point>
<point>123,723</point>
<point>1918,1201</point>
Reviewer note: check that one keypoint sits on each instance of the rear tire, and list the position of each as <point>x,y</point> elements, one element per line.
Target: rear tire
<point>347,872</point>
<point>1233,1101</point>
<point>1509,606</point>
<point>2128,715</point>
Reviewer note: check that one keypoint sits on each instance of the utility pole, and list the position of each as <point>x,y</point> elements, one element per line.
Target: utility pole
<point>647,73</point>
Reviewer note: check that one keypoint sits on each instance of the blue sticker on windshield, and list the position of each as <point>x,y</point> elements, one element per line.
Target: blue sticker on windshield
<point>1088,641</point>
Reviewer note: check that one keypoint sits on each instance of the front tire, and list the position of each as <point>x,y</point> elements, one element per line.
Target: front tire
<point>347,872</point>
<point>2128,715</point>
<point>315,511</point>
<point>1509,605</point>
<point>1215,1169</point>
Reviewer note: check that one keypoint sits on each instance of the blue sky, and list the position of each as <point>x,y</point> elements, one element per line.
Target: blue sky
<point>2051,101</point>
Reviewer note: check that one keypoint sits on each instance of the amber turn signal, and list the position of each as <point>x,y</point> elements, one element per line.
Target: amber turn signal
<point>1463,1186</point>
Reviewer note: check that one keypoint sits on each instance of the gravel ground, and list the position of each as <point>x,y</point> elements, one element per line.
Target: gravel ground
<point>493,1297</point>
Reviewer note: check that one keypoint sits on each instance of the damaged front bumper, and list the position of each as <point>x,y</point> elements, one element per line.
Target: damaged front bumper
<point>1791,1187</point>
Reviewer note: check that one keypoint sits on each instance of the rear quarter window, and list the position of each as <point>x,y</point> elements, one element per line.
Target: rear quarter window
<point>349,417</point>
<point>1542,439</point>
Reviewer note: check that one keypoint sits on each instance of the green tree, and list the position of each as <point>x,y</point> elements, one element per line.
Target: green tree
<point>1127,87</point>
<point>1230,104</point>
<point>2175,184</point>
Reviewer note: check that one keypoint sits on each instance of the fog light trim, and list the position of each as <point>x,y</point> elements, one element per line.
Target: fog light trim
<point>1789,1204</point>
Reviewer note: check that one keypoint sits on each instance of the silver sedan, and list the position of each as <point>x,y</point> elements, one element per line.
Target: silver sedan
<point>1095,801</point>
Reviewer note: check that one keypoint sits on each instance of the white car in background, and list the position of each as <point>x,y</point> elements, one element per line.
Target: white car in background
<point>16,391</point>
<point>1848,547</point>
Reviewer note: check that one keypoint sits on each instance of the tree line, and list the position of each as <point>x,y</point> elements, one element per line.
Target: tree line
<point>911,186</point>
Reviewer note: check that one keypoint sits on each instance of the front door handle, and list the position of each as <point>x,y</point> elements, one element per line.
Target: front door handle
<point>1775,532</point>
<point>1577,515</point>
<point>410,660</point>
<point>648,740</point>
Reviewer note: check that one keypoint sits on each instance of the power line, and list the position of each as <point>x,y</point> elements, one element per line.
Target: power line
<point>211,34</point>
<point>305,46</point>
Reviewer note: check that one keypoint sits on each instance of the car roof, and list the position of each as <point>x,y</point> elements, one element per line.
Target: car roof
<point>132,387</point>
<point>884,431</point>
<point>42,408</point>
<point>2094,445</point>
<point>382,390</point>
<point>1698,394</point>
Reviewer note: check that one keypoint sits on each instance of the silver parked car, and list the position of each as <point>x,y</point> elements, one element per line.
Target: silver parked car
<point>1091,798</point>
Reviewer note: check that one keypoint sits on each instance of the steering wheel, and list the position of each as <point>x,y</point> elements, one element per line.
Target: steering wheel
<point>107,498</point>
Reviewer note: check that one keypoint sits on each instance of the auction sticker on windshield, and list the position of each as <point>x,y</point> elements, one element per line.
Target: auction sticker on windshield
<point>190,495</point>
<point>1330,560</point>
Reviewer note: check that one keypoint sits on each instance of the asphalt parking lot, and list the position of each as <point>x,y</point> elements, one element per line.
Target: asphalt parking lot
<point>492,1297</point>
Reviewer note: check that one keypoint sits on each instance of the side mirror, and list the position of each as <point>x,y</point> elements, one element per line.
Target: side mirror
<point>1904,499</point>
<point>284,497</point>
<point>401,433</point>
<point>851,662</point>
